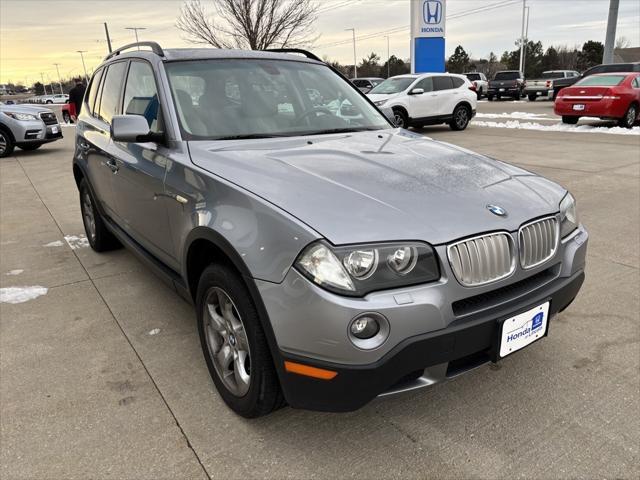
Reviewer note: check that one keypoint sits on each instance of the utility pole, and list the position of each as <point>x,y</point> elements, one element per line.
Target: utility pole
<point>86,78</point>
<point>59,79</point>
<point>610,39</point>
<point>43,85</point>
<point>388,59</point>
<point>526,41</point>
<point>135,29</point>
<point>355,61</point>
<point>524,5</point>
<point>106,31</point>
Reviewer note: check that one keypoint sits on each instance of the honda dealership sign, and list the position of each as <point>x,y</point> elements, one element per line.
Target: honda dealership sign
<point>428,18</point>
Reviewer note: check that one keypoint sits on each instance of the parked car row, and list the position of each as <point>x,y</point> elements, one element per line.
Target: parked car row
<point>49,99</point>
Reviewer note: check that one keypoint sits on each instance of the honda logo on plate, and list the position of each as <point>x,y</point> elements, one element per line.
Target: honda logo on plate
<point>432,10</point>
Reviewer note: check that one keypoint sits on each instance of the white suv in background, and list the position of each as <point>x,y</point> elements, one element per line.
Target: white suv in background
<point>480,81</point>
<point>428,99</point>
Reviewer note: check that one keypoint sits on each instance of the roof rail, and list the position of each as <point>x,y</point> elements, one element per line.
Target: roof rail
<point>306,53</point>
<point>157,49</point>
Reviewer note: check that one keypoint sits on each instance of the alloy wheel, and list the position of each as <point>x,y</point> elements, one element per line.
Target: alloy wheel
<point>399,120</point>
<point>88,215</point>
<point>631,116</point>
<point>462,118</point>
<point>3,143</point>
<point>227,342</point>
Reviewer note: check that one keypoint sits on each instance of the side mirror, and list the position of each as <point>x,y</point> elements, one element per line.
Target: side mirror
<point>417,91</point>
<point>129,128</point>
<point>389,115</point>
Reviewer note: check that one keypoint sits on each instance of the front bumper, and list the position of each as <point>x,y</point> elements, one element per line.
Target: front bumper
<point>418,361</point>
<point>35,132</point>
<point>436,330</point>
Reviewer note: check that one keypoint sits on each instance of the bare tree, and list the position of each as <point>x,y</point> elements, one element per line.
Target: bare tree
<point>623,42</point>
<point>253,24</point>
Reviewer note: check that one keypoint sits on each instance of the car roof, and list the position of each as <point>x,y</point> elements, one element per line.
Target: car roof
<point>606,74</point>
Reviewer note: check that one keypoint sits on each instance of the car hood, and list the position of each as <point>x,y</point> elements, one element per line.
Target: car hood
<point>21,108</point>
<point>381,186</point>
<point>376,97</point>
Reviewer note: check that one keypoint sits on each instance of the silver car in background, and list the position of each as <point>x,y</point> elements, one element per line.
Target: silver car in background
<point>330,259</point>
<point>27,127</point>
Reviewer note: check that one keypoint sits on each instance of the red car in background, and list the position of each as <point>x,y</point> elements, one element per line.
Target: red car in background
<point>610,96</point>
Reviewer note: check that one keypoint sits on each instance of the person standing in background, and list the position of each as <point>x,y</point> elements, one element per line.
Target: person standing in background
<point>76,95</point>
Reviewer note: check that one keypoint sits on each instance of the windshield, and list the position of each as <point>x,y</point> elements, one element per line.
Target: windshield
<point>231,99</point>
<point>507,76</point>
<point>601,81</point>
<point>393,85</point>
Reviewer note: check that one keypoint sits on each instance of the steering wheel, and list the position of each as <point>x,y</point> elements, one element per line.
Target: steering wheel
<point>314,110</point>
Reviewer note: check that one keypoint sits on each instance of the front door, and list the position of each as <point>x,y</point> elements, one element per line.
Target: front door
<point>426,104</point>
<point>139,187</point>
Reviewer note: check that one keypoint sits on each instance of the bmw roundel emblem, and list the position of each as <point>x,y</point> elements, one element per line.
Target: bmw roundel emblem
<point>496,210</point>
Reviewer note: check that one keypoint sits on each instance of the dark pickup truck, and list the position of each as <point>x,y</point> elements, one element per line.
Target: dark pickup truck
<point>609,68</point>
<point>508,83</point>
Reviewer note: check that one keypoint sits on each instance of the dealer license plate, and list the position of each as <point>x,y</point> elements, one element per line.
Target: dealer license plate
<point>538,93</point>
<point>54,129</point>
<point>578,107</point>
<point>502,89</point>
<point>523,329</point>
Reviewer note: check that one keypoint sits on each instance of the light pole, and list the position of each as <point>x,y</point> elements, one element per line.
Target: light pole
<point>524,6</point>
<point>610,39</point>
<point>526,40</point>
<point>355,61</point>
<point>59,79</point>
<point>388,59</point>
<point>135,29</point>
<point>86,78</point>
<point>43,85</point>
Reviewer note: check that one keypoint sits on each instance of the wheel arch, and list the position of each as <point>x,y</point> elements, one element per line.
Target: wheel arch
<point>465,104</point>
<point>8,131</point>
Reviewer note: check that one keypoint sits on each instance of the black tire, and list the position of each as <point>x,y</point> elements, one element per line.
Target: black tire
<point>490,98</point>
<point>49,102</point>
<point>6,144</point>
<point>498,98</point>
<point>100,238</point>
<point>630,117</point>
<point>460,118</point>
<point>264,394</point>
<point>532,98</point>
<point>30,146</point>
<point>401,118</point>
<point>66,117</point>
<point>570,120</point>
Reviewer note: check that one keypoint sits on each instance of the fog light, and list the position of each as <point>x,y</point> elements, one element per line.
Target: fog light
<point>365,327</point>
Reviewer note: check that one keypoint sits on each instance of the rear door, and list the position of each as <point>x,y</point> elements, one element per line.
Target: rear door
<point>139,184</point>
<point>96,139</point>
<point>446,95</point>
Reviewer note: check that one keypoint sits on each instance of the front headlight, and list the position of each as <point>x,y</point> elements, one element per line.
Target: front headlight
<point>24,117</point>
<point>568,215</point>
<point>358,270</point>
<point>379,103</point>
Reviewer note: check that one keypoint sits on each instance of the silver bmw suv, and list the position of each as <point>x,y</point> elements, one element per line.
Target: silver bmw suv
<point>331,259</point>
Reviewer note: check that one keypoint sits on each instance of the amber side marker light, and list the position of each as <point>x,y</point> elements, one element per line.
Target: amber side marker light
<point>308,371</point>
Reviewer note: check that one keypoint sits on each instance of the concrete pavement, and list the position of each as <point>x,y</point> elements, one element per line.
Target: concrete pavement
<point>103,376</point>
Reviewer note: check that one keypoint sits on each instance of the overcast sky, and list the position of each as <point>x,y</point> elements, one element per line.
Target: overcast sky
<point>34,34</point>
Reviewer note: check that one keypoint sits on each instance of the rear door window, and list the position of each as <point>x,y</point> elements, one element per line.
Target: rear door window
<point>442,83</point>
<point>94,86</point>
<point>110,98</point>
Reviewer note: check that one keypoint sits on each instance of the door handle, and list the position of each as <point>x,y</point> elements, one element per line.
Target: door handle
<point>112,165</point>
<point>177,197</point>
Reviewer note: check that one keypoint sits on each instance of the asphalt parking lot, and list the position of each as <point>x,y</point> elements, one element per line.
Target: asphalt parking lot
<point>103,376</point>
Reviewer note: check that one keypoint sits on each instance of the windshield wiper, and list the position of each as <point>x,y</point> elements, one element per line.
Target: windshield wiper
<point>252,136</point>
<point>340,130</point>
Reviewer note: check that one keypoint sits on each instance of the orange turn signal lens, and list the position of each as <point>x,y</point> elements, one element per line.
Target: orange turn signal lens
<point>308,371</point>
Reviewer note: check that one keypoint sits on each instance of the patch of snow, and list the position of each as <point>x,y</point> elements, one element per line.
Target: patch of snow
<point>559,127</point>
<point>14,272</point>
<point>517,116</point>
<point>21,294</point>
<point>57,243</point>
<point>155,331</point>
<point>76,242</point>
